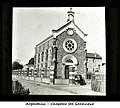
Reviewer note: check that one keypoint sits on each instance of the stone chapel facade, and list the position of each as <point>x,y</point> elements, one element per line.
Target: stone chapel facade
<point>62,55</point>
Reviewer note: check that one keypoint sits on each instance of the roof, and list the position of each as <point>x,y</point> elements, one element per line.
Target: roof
<point>45,40</point>
<point>93,55</point>
<point>61,27</point>
<point>58,29</point>
<point>66,24</point>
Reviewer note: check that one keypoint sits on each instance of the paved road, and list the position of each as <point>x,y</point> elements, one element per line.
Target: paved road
<point>46,89</point>
<point>38,89</point>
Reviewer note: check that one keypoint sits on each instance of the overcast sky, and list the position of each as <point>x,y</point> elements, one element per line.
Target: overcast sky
<point>32,25</point>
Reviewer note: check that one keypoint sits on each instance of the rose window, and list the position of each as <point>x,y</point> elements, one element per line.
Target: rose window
<point>69,45</point>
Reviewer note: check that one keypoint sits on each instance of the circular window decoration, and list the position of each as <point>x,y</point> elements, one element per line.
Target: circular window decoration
<point>69,45</point>
<point>70,32</point>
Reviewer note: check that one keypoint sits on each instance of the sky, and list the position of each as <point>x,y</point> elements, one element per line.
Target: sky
<point>32,25</point>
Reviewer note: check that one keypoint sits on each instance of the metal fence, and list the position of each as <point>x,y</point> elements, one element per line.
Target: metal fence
<point>24,72</point>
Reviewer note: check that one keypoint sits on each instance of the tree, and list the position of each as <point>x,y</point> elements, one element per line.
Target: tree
<point>31,61</point>
<point>16,65</point>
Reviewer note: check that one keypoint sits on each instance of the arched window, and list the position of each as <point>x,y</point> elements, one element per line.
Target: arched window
<point>46,55</point>
<point>38,58</point>
<point>49,56</point>
<point>42,56</point>
<point>69,61</point>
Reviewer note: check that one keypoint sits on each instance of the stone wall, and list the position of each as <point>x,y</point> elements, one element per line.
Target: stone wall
<point>79,53</point>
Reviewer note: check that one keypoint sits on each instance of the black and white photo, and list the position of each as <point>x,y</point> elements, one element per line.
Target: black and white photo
<point>59,51</point>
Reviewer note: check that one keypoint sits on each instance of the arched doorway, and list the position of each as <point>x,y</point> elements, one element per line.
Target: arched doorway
<point>69,65</point>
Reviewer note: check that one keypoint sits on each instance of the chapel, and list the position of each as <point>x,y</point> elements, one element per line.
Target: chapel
<point>63,54</point>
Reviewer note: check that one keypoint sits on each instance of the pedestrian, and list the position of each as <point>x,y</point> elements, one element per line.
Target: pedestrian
<point>82,81</point>
<point>77,80</point>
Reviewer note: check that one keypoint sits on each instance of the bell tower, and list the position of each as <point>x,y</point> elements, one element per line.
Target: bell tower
<point>70,15</point>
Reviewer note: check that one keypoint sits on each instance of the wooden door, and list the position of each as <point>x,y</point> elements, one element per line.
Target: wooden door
<point>66,72</point>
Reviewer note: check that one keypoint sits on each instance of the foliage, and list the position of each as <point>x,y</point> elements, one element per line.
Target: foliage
<point>31,61</point>
<point>18,89</point>
<point>16,65</point>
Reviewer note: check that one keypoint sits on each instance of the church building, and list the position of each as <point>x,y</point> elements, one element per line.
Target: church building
<point>63,54</point>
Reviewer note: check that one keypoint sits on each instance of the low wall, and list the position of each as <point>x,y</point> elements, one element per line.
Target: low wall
<point>27,78</point>
<point>45,80</point>
<point>38,79</point>
<point>31,78</point>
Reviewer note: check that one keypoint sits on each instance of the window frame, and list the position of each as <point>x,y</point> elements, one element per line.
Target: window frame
<point>73,42</point>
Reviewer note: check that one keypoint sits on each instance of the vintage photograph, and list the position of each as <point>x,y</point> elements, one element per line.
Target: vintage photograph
<point>58,51</point>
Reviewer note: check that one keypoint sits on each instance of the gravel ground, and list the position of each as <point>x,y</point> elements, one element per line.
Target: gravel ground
<point>37,88</point>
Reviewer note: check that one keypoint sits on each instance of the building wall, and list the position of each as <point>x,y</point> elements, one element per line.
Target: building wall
<point>79,53</point>
<point>43,66</point>
<point>97,62</point>
<point>92,63</point>
<point>103,69</point>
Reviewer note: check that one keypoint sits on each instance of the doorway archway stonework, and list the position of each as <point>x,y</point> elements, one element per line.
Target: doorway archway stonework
<point>68,61</point>
<point>69,57</point>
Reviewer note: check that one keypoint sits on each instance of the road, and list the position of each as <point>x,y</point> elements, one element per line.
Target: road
<point>37,88</point>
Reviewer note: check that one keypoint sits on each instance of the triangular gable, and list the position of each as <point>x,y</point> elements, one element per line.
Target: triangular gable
<point>69,24</point>
<point>59,30</point>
